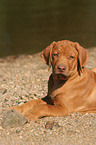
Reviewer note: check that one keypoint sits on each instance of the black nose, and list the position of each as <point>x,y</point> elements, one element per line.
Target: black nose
<point>61,67</point>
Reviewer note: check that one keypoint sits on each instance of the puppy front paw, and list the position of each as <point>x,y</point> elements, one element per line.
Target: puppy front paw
<point>31,116</point>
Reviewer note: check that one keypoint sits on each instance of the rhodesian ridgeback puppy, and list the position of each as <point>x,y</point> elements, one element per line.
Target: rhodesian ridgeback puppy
<point>71,86</point>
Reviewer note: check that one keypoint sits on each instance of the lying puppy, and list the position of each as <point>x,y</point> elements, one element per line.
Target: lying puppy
<point>71,86</point>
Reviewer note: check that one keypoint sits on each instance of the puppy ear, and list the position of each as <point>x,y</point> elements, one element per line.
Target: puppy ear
<point>46,54</point>
<point>83,56</point>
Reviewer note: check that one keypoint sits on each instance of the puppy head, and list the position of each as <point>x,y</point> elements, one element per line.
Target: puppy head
<point>66,57</point>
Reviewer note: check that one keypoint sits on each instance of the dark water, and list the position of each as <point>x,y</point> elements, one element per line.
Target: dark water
<point>28,26</point>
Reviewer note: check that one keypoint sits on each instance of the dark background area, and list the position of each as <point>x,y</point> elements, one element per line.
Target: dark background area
<point>27,27</point>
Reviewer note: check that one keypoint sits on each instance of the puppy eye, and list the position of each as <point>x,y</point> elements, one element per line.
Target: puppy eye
<point>55,54</point>
<point>71,57</point>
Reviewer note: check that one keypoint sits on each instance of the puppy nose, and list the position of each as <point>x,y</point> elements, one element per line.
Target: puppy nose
<point>61,67</point>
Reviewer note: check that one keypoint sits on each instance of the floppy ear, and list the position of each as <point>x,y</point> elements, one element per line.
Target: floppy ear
<point>83,56</point>
<point>46,53</point>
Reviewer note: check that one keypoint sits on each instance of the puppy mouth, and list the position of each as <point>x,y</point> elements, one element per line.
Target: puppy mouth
<point>61,75</point>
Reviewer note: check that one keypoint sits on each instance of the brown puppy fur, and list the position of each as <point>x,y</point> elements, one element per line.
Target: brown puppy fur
<point>71,86</point>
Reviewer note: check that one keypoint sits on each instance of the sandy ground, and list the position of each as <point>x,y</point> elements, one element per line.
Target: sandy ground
<point>24,78</point>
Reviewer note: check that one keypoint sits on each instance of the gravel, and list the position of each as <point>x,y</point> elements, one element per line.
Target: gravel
<point>23,78</point>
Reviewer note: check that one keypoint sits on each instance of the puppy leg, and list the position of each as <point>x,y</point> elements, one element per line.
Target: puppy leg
<point>27,106</point>
<point>45,110</point>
